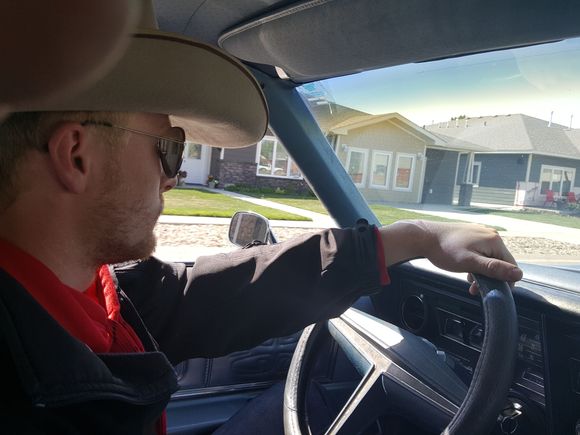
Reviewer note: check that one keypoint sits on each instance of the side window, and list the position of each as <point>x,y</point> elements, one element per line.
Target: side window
<point>558,179</point>
<point>404,172</point>
<point>273,160</point>
<point>380,169</point>
<point>476,173</point>
<point>265,156</point>
<point>193,151</point>
<point>356,163</point>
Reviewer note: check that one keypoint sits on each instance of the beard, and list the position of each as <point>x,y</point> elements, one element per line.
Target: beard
<point>122,224</point>
<point>127,234</point>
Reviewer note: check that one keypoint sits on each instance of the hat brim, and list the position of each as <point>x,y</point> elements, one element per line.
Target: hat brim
<point>207,92</point>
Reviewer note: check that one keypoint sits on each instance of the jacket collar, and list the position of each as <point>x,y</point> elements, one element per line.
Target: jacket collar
<point>56,369</point>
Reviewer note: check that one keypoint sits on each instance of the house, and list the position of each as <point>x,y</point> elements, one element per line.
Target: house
<point>267,164</point>
<point>391,159</point>
<point>513,159</point>
<point>508,159</point>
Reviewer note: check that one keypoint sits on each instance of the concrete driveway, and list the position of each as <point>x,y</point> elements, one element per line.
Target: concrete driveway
<point>513,227</point>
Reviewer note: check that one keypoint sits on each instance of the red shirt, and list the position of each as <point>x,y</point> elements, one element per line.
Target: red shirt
<point>93,316</point>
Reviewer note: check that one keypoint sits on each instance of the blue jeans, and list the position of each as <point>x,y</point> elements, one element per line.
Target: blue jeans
<point>263,415</point>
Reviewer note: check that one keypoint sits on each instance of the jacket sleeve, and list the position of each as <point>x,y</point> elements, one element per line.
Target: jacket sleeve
<point>233,301</point>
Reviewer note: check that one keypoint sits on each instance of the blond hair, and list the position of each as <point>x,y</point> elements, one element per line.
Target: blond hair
<point>23,132</point>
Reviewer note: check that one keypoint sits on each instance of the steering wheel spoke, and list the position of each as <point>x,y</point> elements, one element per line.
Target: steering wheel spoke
<point>393,361</point>
<point>361,404</point>
<point>379,348</point>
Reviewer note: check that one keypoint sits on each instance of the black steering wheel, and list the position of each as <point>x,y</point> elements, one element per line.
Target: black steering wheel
<point>390,358</point>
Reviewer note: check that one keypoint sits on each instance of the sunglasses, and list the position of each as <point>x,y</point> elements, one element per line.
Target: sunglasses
<point>170,150</point>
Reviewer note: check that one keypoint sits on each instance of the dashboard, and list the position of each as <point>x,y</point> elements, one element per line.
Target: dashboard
<point>544,396</point>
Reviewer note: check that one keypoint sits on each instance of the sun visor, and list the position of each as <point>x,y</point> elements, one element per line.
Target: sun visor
<point>320,39</point>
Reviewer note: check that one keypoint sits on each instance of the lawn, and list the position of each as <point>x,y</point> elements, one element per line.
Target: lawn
<point>197,202</point>
<point>545,217</point>
<point>386,215</point>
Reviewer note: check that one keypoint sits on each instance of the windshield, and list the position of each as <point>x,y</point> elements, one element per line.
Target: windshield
<point>492,138</point>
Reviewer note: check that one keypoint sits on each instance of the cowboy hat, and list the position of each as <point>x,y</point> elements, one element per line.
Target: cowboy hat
<point>36,38</point>
<point>204,90</point>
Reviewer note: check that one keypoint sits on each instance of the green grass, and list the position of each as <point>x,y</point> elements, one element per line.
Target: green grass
<point>545,217</point>
<point>196,202</point>
<point>306,203</point>
<point>386,215</point>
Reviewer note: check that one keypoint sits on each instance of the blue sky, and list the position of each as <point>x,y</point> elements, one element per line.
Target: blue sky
<point>531,80</point>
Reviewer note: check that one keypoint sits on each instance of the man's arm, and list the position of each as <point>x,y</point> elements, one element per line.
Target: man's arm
<point>455,247</point>
<point>233,301</point>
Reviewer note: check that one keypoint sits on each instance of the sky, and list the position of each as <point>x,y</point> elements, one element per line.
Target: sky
<point>535,81</point>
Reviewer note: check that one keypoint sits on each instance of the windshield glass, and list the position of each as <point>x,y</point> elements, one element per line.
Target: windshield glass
<point>492,138</point>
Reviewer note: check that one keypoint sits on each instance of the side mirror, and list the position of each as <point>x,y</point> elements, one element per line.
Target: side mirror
<point>247,227</point>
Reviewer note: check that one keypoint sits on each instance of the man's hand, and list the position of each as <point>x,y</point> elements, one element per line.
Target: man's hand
<point>456,247</point>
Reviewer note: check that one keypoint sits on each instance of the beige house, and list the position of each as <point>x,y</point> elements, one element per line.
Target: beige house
<point>385,155</point>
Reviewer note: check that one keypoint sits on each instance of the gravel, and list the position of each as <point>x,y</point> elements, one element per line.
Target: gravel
<point>217,236</point>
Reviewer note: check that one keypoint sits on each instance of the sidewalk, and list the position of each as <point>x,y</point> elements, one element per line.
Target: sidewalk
<point>513,227</point>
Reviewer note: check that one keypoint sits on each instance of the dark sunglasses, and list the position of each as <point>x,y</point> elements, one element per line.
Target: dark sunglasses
<point>170,150</point>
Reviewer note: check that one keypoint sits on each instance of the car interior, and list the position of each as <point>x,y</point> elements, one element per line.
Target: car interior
<point>422,356</point>
<point>288,44</point>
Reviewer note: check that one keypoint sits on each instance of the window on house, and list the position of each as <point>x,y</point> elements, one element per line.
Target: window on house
<point>475,173</point>
<point>380,169</point>
<point>273,159</point>
<point>194,151</point>
<point>356,163</point>
<point>404,172</point>
<point>559,180</point>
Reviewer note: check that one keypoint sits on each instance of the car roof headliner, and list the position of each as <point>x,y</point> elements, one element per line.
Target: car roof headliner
<point>326,38</point>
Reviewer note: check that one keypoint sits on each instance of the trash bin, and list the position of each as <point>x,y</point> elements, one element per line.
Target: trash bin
<point>465,192</point>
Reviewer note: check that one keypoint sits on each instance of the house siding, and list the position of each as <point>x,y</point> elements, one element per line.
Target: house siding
<point>498,178</point>
<point>439,173</point>
<point>385,136</point>
<point>241,155</point>
<point>502,171</point>
<point>493,195</point>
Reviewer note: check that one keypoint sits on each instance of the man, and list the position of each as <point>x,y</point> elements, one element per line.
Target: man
<point>83,187</point>
<point>94,199</point>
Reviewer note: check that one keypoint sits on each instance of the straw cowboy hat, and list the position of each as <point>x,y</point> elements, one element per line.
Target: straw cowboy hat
<point>204,90</point>
<point>43,56</point>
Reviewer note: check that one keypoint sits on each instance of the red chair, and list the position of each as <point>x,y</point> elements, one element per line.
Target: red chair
<point>550,198</point>
<point>571,198</point>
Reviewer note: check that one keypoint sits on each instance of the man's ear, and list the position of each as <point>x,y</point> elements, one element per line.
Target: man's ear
<point>70,156</point>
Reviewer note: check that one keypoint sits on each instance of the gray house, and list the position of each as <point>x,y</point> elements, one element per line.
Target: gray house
<point>513,159</point>
<point>506,160</point>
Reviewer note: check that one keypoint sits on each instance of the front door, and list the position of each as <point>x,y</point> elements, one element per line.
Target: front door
<point>196,163</point>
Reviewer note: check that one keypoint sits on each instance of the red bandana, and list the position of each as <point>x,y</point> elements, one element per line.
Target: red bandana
<point>93,316</point>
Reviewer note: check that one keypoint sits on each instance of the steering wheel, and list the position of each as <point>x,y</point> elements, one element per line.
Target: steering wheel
<point>391,359</point>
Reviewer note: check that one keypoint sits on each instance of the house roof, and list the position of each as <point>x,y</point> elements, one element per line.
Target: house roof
<point>399,120</point>
<point>330,114</point>
<point>510,133</point>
